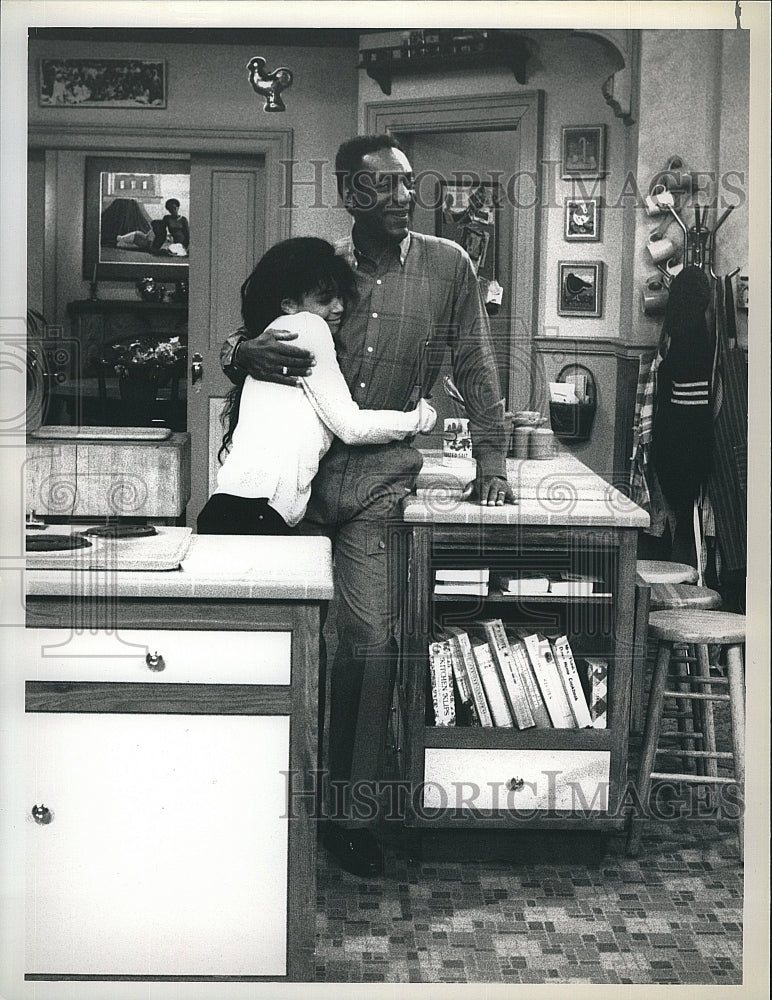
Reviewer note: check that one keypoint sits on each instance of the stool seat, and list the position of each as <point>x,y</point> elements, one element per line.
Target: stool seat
<point>671,596</point>
<point>701,627</point>
<point>655,571</point>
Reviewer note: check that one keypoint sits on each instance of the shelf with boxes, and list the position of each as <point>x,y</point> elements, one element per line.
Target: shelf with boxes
<point>427,50</point>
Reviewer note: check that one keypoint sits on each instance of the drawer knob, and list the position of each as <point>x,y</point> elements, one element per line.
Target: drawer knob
<point>515,784</point>
<point>42,814</point>
<point>155,662</point>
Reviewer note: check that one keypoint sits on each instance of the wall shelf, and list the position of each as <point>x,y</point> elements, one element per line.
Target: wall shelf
<point>512,51</point>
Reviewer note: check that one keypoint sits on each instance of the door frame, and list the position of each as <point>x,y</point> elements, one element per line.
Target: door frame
<point>272,146</point>
<point>520,112</point>
<point>275,145</point>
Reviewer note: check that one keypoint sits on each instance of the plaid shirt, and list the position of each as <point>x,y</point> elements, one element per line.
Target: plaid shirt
<point>415,305</point>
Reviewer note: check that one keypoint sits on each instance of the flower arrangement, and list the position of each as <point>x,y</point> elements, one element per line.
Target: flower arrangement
<point>152,361</point>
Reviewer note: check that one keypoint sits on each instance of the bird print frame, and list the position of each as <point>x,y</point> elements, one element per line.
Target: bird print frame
<point>580,288</point>
<point>582,220</point>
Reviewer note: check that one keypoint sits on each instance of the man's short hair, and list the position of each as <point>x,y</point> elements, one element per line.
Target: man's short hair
<point>350,154</point>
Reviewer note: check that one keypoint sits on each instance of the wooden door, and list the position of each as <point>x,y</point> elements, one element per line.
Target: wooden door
<point>228,201</point>
<point>165,853</point>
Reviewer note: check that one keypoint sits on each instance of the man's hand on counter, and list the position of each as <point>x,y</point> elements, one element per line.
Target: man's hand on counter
<point>270,358</point>
<point>493,491</point>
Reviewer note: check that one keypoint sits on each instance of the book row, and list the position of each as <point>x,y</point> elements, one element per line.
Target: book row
<point>495,676</point>
<point>477,581</point>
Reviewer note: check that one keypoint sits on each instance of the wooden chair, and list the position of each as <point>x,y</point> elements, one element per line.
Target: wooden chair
<point>695,629</point>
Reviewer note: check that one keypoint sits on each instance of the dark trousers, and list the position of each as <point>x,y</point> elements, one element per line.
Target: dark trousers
<point>224,514</point>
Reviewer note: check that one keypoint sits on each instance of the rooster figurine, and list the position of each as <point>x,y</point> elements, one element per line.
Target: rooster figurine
<point>269,85</point>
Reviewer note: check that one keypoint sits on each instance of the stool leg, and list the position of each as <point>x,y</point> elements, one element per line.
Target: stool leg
<point>734,660</point>
<point>649,748</point>
<point>684,706</point>
<point>708,727</point>
<point>640,656</point>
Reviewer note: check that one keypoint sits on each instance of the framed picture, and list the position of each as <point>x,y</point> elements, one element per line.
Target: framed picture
<point>136,218</point>
<point>580,288</point>
<point>582,220</point>
<point>583,151</point>
<point>466,213</point>
<point>102,83</point>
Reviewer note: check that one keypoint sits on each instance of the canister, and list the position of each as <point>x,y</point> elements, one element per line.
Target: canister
<point>521,437</point>
<point>543,443</point>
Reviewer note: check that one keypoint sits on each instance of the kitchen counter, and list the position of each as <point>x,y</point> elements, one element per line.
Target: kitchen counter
<point>171,721</point>
<point>234,567</point>
<point>555,492</point>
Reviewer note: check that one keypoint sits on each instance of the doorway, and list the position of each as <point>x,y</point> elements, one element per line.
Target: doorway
<point>237,191</point>
<point>497,139</point>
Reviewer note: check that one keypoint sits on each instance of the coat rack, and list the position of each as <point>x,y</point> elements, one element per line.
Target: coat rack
<point>699,240</point>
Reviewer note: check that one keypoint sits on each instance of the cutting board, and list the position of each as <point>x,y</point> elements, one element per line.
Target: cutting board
<point>162,551</point>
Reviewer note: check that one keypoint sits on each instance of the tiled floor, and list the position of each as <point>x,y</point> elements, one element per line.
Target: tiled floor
<point>671,916</point>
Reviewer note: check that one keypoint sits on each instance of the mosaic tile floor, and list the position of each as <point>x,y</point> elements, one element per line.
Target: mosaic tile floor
<point>671,916</point>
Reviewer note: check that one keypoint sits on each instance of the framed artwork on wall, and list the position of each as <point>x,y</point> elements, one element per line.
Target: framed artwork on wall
<point>583,151</point>
<point>136,218</point>
<point>102,83</point>
<point>580,288</point>
<point>582,220</point>
<point>466,212</point>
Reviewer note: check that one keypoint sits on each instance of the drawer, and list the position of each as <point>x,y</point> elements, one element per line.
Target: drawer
<point>516,780</point>
<point>190,657</point>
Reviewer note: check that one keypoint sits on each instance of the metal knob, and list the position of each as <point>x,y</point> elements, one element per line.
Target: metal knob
<point>515,784</point>
<point>196,369</point>
<point>42,814</point>
<point>155,662</point>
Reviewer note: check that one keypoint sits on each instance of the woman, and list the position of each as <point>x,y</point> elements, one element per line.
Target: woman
<point>277,434</point>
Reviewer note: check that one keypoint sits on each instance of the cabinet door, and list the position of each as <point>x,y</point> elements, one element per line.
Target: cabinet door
<point>166,850</point>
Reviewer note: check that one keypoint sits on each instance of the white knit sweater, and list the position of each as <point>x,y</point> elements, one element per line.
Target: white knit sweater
<point>283,431</point>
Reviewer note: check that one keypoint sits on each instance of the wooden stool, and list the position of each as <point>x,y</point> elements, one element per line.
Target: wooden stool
<point>659,597</point>
<point>698,629</point>
<point>656,571</point>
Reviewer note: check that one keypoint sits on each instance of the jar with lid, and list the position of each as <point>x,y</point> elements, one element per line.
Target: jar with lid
<point>542,443</point>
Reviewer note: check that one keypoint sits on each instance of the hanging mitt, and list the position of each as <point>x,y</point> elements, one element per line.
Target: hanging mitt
<point>682,441</point>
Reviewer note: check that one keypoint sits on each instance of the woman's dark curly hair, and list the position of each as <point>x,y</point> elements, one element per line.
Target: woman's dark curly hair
<point>289,270</point>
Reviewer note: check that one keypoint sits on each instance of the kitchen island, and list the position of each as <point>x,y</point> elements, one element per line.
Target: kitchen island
<point>567,521</point>
<point>171,728</point>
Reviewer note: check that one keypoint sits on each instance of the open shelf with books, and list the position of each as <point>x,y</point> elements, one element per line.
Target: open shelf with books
<point>515,695</point>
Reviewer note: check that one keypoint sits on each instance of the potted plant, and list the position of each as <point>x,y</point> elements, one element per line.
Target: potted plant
<point>144,366</point>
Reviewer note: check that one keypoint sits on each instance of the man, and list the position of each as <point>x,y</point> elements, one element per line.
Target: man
<point>418,297</point>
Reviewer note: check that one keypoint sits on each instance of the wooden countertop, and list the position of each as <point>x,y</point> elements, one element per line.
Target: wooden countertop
<point>558,492</point>
<point>230,567</point>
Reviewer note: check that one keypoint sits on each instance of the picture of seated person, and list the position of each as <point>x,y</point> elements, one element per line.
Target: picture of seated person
<point>175,225</point>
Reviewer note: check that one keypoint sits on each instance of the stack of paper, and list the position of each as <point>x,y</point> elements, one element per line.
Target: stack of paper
<point>462,581</point>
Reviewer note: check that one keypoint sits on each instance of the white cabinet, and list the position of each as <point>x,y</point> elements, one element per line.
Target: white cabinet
<point>169,829</point>
<point>166,850</point>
